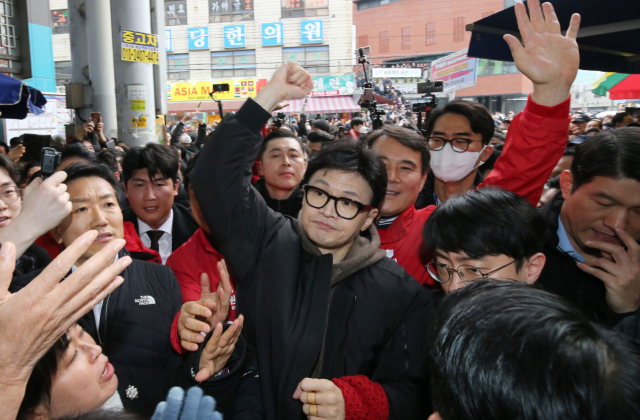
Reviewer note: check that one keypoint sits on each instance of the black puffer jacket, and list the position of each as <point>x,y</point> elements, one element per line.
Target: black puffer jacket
<point>378,319</point>
<point>288,207</point>
<point>135,327</point>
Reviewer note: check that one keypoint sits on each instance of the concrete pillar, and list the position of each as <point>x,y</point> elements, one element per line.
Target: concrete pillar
<point>160,70</point>
<point>133,79</point>
<point>79,56</point>
<point>100,58</point>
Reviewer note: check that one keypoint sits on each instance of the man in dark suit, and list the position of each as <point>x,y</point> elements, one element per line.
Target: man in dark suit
<point>151,184</point>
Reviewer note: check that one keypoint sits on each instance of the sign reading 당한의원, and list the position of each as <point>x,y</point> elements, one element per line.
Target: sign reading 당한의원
<point>139,46</point>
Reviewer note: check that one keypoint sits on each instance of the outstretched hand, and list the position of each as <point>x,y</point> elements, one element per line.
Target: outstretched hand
<point>549,59</point>
<point>219,349</point>
<point>290,81</point>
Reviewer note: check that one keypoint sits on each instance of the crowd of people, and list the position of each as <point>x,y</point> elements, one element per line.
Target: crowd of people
<point>281,271</point>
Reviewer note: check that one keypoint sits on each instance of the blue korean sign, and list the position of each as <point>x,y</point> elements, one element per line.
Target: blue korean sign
<point>168,39</point>
<point>198,38</point>
<point>272,34</point>
<point>234,36</point>
<point>311,31</point>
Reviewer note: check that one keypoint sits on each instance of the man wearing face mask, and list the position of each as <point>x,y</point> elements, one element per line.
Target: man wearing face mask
<point>459,135</point>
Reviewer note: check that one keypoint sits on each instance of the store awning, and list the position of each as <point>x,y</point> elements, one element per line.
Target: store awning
<point>629,88</point>
<point>608,35</point>
<point>322,105</point>
<point>230,105</point>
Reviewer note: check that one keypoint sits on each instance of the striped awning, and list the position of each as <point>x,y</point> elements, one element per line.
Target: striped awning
<point>322,105</point>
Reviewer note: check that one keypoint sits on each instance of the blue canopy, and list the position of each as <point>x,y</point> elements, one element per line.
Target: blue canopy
<point>17,99</point>
<point>608,36</point>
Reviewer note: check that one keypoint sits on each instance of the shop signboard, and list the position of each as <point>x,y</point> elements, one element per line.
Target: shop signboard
<point>199,91</point>
<point>456,70</point>
<point>333,85</point>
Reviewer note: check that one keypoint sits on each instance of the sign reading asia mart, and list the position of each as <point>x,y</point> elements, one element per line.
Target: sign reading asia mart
<point>456,70</point>
<point>199,91</point>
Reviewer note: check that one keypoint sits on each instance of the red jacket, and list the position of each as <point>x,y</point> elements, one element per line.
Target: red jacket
<point>535,142</point>
<point>194,257</point>
<point>134,245</point>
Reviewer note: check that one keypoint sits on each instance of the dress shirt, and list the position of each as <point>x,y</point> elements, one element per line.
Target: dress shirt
<point>565,244</point>
<point>164,243</point>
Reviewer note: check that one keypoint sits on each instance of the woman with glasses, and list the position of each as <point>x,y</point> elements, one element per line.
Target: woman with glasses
<point>34,257</point>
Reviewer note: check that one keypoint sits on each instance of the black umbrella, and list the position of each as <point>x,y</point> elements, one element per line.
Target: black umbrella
<point>608,36</point>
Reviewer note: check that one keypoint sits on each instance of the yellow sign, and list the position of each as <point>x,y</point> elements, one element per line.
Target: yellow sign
<point>139,46</point>
<point>138,105</point>
<point>138,122</point>
<point>199,91</point>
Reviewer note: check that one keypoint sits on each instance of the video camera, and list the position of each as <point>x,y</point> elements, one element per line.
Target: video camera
<point>368,99</point>
<point>278,120</point>
<point>429,102</point>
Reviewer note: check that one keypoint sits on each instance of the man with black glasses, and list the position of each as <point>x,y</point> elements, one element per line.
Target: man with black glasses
<point>486,233</point>
<point>459,136</point>
<point>337,329</point>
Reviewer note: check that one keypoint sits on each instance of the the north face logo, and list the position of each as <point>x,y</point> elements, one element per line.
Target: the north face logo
<point>145,300</point>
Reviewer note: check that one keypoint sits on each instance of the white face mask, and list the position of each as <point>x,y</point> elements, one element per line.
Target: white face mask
<point>363,130</point>
<point>448,165</point>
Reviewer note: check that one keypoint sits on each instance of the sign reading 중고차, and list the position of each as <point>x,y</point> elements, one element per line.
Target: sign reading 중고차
<point>140,47</point>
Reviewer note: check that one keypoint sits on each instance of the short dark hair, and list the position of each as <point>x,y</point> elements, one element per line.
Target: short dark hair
<point>9,166</point>
<point>77,151</point>
<point>612,154</point>
<point>80,170</point>
<point>479,118</point>
<point>277,134</point>
<point>322,125</point>
<point>352,157</point>
<point>485,337</point>
<point>619,118</point>
<point>153,157</point>
<point>108,158</point>
<point>186,179</point>
<point>406,137</point>
<point>487,221</point>
<point>320,137</point>
<point>38,391</point>
<point>6,148</point>
<point>356,121</point>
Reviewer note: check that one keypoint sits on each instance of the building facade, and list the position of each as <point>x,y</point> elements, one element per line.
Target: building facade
<point>229,40</point>
<point>418,32</point>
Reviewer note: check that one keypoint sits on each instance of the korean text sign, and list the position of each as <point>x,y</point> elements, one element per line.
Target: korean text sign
<point>272,34</point>
<point>311,31</point>
<point>456,70</point>
<point>234,36</point>
<point>139,46</point>
<point>198,38</point>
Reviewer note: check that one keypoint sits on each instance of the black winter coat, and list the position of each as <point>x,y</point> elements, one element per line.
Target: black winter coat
<point>562,276</point>
<point>289,207</point>
<point>135,329</point>
<point>379,317</point>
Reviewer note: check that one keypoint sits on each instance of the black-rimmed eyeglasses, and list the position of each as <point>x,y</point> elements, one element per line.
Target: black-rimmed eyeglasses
<point>442,273</point>
<point>345,207</point>
<point>459,145</point>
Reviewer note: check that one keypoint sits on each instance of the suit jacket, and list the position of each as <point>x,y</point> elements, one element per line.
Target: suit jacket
<point>183,228</point>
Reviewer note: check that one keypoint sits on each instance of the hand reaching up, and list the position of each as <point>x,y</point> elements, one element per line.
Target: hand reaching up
<point>219,349</point>
<point>549,59</point>
<point>290,81</point>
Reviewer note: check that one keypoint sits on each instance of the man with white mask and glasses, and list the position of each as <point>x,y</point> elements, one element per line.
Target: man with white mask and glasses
<point>458,137</point>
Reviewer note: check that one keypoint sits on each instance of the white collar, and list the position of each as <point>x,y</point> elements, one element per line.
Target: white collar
<point>166,227</point>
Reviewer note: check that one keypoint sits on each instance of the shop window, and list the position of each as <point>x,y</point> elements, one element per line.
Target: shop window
<point>178,67</point>
<point>60,21</point>
<point>63,72</point>
<point>230,10</point>
<point>430,34</point>
<point>458,29</point>
<point>384,41</point>
<point>304,8</point>
<point>241,63</point>
<point>175,12</point>
<point>406,38</point>
<point>314,59</point>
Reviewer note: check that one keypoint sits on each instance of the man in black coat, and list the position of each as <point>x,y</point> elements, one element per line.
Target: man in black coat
<point>281,165</point>
<point>151,184</point>
<point>593,257</point>
<point>133,323</point>
<point>337,328</point>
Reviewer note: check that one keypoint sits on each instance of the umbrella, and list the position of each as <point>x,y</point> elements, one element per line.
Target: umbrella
<point>17,99</point>
<point>608,83</point>
<point>629,88</point>
<point>608,36</point>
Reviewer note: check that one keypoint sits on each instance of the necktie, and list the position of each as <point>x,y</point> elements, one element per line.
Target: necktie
<point>155,236</point>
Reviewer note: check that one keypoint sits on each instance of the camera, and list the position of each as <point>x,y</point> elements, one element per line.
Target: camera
<point>221,87</point>
<point>50,159</point>
<point>278,120</point>
<point>430,87</point>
